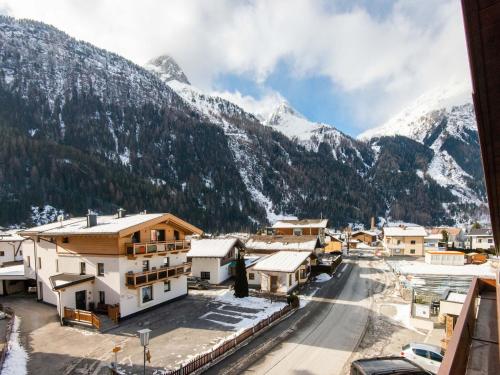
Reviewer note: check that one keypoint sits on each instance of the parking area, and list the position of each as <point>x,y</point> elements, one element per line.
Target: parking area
<point>180,331</point>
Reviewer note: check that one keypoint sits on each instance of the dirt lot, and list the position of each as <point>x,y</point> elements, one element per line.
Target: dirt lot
<point>180,330</point>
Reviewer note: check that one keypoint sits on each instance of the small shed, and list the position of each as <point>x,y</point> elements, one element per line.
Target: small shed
<point>448,258</point>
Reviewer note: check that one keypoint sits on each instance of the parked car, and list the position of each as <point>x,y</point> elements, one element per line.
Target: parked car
<point>427,356</point>
<point>197,283</point>
<point>386,365</point>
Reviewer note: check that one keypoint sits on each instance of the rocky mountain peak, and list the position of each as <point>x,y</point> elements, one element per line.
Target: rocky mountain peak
<point>283,110</point>
<point>167,69</point>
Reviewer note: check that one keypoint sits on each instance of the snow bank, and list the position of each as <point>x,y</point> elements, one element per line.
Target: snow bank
<point>17,358</point>
<point>322,278</point>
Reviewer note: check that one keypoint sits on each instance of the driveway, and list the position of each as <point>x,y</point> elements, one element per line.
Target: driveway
<point>180,330</point>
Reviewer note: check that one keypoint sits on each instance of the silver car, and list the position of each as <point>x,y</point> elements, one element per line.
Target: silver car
<point>426,355</point>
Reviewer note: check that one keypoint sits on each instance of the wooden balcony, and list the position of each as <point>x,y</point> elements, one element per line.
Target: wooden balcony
<point>149,249</point>
<point>138,279</point>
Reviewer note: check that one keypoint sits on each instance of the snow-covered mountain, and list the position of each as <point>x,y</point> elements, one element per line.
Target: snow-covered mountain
<point>84,128</point>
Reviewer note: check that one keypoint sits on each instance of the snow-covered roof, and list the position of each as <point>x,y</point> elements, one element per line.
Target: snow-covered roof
<point>306,223</point>
<point>14,270</point>
<point>282,261</point>
<point>109,224</point>
<point>212,247</point>
<point>405,231</point>
<point>10,236</point>
<point>277,243</point>
<point>456,297</point>
<point>368,232</point>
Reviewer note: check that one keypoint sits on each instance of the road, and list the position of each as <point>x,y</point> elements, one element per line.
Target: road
<point>324,333</point>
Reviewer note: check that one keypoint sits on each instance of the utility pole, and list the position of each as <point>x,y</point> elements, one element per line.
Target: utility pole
<point>144,337</point>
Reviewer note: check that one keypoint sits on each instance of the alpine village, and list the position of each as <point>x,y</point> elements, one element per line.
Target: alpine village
<point>149,226</point>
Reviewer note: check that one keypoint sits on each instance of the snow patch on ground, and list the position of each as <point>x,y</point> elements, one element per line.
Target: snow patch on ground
<point>17,358</point>
<point>403,315</point>
<point>322,278</point>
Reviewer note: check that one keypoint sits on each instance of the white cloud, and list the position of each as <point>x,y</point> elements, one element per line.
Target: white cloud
<point>262,106</point>
<point>379,62</point>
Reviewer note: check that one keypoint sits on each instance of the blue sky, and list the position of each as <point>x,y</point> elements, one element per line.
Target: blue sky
<point>350,63</point>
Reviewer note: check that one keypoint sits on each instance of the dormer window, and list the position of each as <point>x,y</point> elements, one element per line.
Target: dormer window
<point>65,240</point>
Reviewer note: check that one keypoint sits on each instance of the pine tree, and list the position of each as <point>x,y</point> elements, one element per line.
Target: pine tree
<point>241,282</point>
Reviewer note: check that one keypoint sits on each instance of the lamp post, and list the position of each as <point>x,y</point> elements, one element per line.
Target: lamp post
<point>144,337</point>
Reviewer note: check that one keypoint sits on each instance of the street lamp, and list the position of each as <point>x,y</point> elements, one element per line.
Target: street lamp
<point>144,337</point>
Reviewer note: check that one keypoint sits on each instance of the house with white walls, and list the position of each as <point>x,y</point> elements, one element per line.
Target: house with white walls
<point>480,239</point>
<point>211,258</point>
<point>281,272</point>
<point>12,279</point>
<point>117,265</point>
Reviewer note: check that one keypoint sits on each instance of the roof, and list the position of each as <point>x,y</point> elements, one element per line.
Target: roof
<point>416,231</point>
<point>10,236</point>
<point>450,230</point>
<point>368,232</point>
<point>446,252</point>
<point>456,297</point>
<point>305,223</point>
<point>212,247</point>
<point>110,224</point>
<point>480,232</point>
<point>277,243</point>
<point>16,271</point>
<point>64,280</point>
<point>282,261</point>
<point>434,236</point>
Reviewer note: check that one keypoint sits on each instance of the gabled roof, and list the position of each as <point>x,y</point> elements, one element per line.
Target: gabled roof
<point>282,261</point>
<point>450,230</point>
<point>277,243</point>
<point>107,225</point>
<point>416,231</point>
<point>212,247</point>
<point>10,236</point>
<point>368,232</point>
<point>64,280</point>
<point>481,232</point>
<point>305,223</point>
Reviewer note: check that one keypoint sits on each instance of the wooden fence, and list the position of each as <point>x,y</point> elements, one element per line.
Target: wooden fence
<point>204,359</point>
<point>82,316</point>
<point>8,332</point>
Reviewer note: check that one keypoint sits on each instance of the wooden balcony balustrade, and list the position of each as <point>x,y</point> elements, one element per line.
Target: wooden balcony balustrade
<point>157,247</point>
<point>137,279</point>
<point>82,316</point>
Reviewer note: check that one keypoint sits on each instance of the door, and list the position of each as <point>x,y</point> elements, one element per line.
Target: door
<point>40,289</point>
<point>274,283</point>
<point>176,235</point>
<point>81,300</point>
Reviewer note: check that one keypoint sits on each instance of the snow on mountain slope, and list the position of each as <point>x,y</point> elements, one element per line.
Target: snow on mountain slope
<point>167,69</point>
<point>413,121</point>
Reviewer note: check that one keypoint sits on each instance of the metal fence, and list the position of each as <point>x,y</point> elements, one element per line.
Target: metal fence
<point>204,359</point>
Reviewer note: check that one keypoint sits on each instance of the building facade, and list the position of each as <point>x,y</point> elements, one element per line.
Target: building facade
<point>404,240</point>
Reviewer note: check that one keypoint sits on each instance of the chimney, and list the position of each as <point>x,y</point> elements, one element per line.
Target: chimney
<point>91,219</point>
<point>372,224</point>
<point>121,213</point>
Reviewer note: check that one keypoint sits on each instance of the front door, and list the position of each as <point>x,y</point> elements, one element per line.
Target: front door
<point>274,283</point>
<point>81,300</point>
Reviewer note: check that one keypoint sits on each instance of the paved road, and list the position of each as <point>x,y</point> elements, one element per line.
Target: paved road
<point>328,330</point>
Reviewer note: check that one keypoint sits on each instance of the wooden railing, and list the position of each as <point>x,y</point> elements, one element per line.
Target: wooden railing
<point>82,316</point>
<point>137,279</point>
<point>157,247</point>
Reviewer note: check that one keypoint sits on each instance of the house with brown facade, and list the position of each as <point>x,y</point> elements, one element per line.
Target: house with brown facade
<point>116,264</point>
<point>316,227</point>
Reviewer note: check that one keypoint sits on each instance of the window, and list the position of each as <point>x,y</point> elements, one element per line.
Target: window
<point>412,251</point>
<point>436,357</point>
<point>421,353</point>
<point>289,279</point>
<point>20,252</point>
<point>65,240</point>
<point>251,276</point>
<point>147,294</point>
<point>490,240</point>
<point>2,253</point>
<point>166,262</point>
<point>82,268</point>
<point>297,232</point>
<point>57,265</point>
<point>479,240</point>
<point>102,297</point>
<point>39,263</point>
<point>205,275</point>
<point>413,242</point>
<point>399,242</point>
<point>100,269</point>
<point>166,286</point>
<point>145,265</point>
<point>297,275</point>
<point>28,261</point>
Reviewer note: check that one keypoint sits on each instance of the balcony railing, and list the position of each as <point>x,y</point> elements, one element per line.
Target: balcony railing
<point>157,247</point>
<point>137,279</point>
